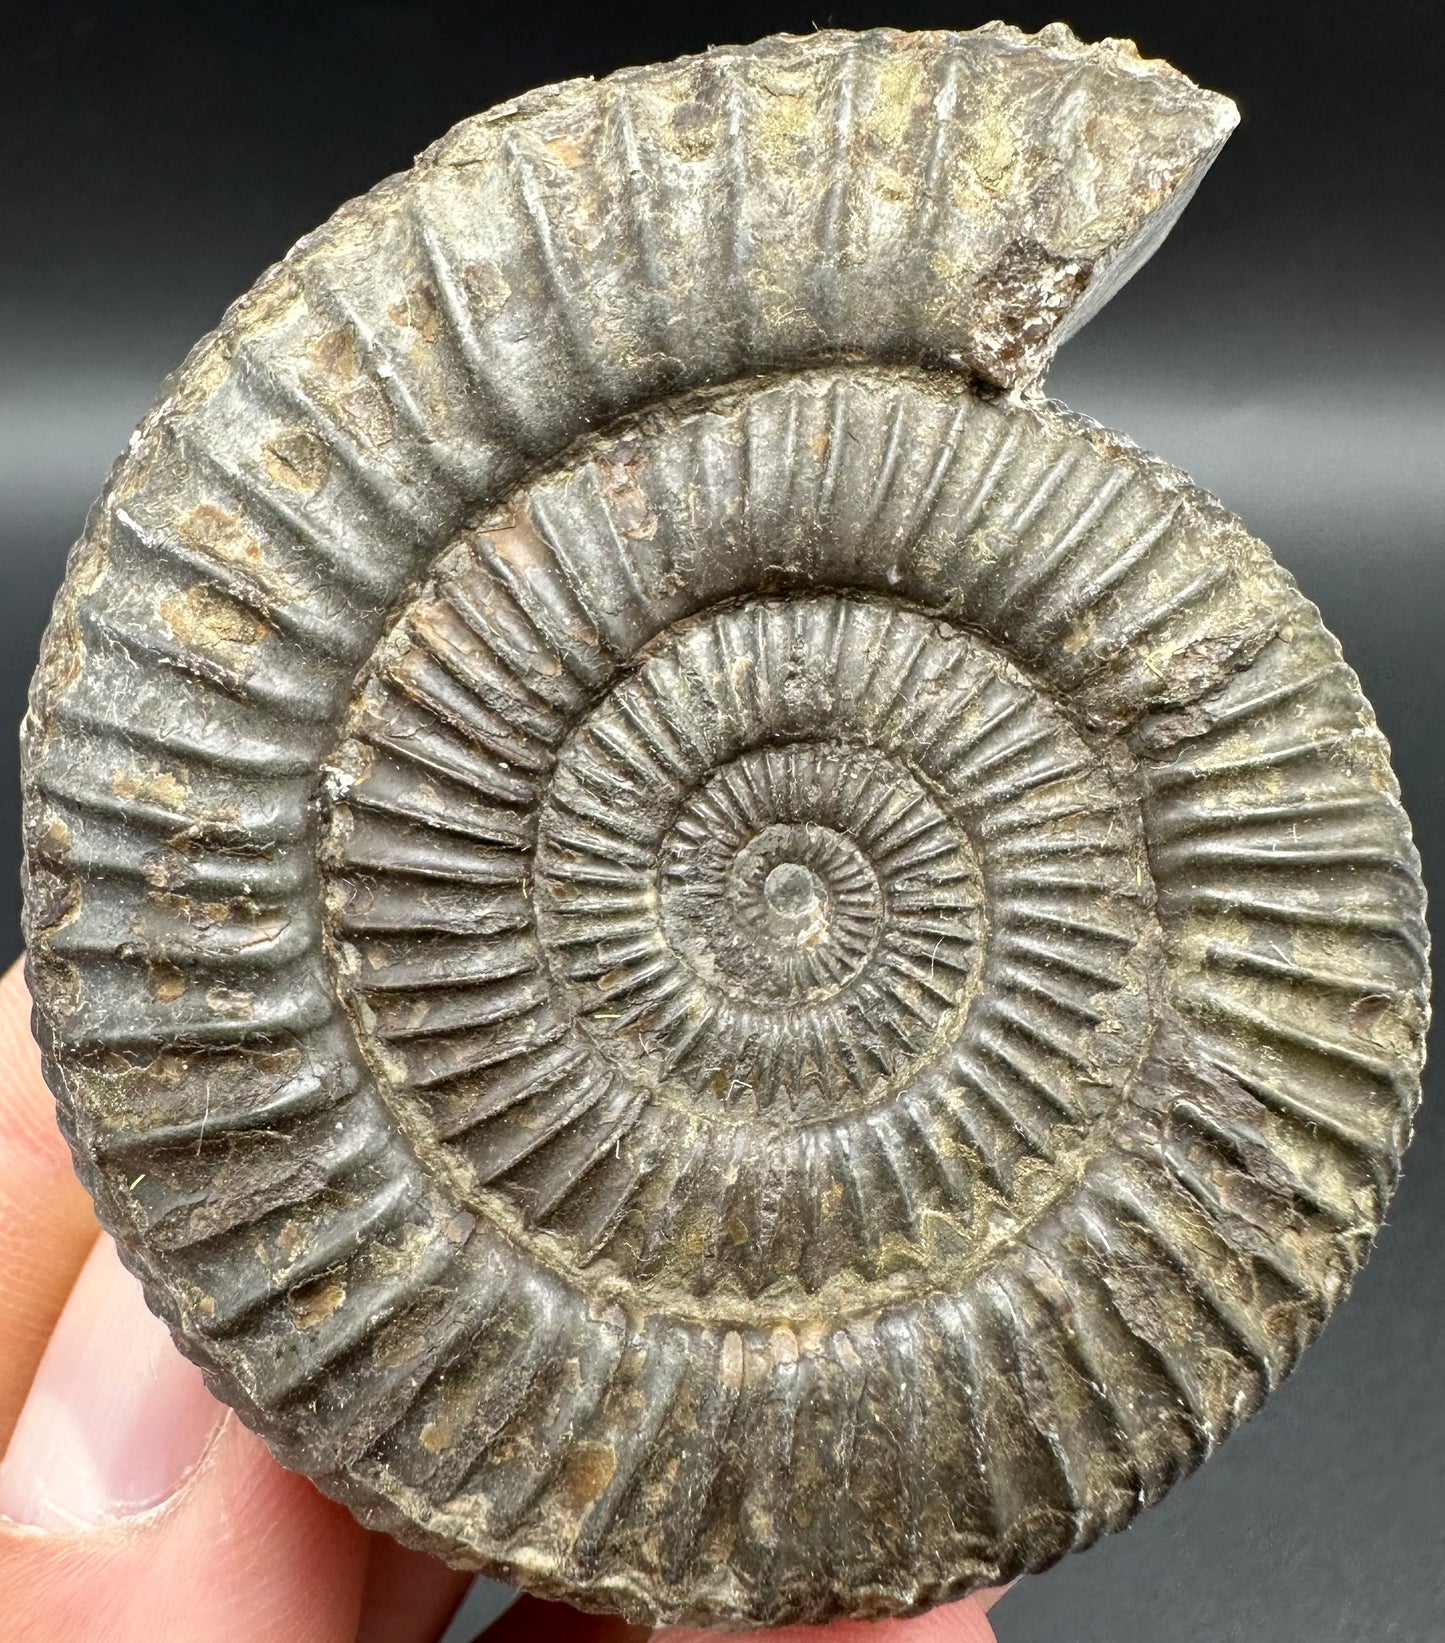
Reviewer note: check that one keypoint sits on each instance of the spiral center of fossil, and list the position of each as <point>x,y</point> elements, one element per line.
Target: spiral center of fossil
<point>746,903</point>
<point>797,901</point>
<point>819,895</point>
<point>790,911</point>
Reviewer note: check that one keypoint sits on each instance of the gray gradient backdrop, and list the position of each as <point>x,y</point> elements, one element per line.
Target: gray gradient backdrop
<point>1286,348</point>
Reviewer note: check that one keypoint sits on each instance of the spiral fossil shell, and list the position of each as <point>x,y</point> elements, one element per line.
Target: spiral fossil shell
<point>708,956</point>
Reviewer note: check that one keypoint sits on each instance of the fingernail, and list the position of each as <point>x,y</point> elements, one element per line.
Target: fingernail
<point>115,1420</point>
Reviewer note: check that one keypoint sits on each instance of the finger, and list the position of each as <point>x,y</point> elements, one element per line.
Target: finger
<point>991,1594</point>
<point>134,1508</point>
<point>531,1619</point>
<point>409,1597</point>
<point>46,1223</point>
<point>963,1622</point>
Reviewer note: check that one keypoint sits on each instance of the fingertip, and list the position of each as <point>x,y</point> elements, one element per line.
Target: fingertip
<point>27,1109</point>
<point>408,1597</point>
<point>47,1225</point>
<point>97,1443</point>
<point>993,1594</point>
<point>963,1622</point>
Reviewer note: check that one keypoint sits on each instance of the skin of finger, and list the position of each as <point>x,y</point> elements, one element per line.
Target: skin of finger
<point>46,1223</point>
<point>235,1548</point>
<point>963,1622</point>
<point>409,1597</point>
<point>535,1619</point>
<point>244,1552</point>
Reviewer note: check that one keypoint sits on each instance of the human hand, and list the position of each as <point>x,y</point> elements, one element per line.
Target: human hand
<point>134,1508</point>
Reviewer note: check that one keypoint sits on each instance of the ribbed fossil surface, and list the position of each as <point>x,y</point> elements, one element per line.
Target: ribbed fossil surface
<point>708,956</point>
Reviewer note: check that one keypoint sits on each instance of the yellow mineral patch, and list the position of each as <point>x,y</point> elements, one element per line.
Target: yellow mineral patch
<point>209,367</point>
<point>897,91</point>
<point>995,157</point>
<point>335,354</point>
<point>159,788</point>
<point>273,299</point>
<point>520,547</point>
<point>203,914</point>
<point>313,1303</point>
<point>455,1403</point>
<point>590,1469</point>
<point>486,288</point>
<point>223,536</point>
<point>166,982</point>
<point>418,311</point>
<point>644,531</point>
<point>732,1363</point>
<point>228,1001</point>
<point>401,1342</point>
<point>692,131</point>
<point>783,1344</point>
<point>339,379</point>
<point>298,460</point>
<point>564,147</point>
<point>366,408</point>
<point>207,620</point>
<point>788,112</point>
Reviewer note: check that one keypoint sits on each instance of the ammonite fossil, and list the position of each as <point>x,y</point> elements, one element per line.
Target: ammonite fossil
<point>708,956</point>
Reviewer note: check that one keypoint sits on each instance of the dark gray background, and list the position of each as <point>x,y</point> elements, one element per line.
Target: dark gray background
<point>1286,348</point>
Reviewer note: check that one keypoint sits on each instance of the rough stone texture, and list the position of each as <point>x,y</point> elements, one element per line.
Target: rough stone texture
<point>707,956</point>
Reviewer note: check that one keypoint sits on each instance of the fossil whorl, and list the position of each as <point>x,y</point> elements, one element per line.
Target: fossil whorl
<point>706,955</point>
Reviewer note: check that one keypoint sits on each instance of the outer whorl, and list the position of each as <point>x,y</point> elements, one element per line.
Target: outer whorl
<point>706,955</point>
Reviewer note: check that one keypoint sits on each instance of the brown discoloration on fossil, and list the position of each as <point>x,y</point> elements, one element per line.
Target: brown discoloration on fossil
<point>1030,290</point>
<point>221,534</point>
<point>312,1304</point>
<point>167,983</point>
<point>687,936</point>
<point>162,788</point>
<point>298,460</point>
<point>212,625</point>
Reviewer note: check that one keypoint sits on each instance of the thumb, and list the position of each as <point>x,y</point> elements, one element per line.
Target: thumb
<point>133,1507</point>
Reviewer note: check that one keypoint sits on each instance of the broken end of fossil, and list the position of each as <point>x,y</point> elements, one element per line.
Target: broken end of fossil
<point>1009,183</point>
<point>1113,154</point>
